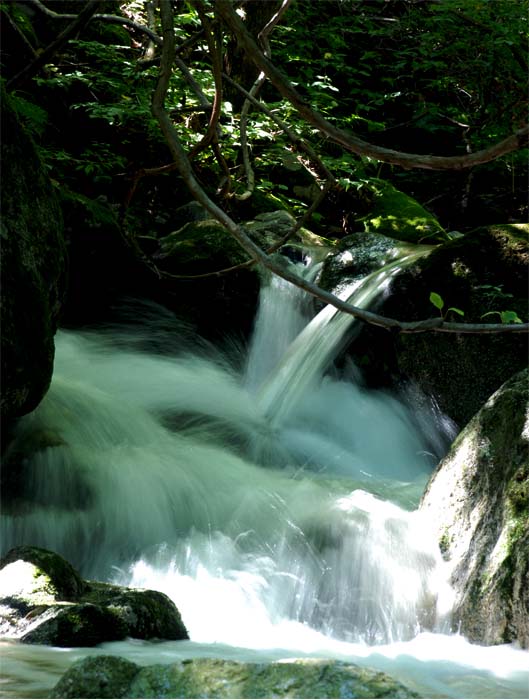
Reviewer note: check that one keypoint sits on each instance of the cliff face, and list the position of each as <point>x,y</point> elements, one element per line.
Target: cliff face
<point>478,499</point>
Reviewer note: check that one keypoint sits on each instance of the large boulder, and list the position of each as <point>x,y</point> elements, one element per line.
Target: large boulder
<point>478,501</point>
<point>33,263</point>
<point>113,677</point>
<point>43,600</point>
<point>481,272</point>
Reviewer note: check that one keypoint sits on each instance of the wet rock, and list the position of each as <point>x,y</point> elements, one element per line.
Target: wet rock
<point>215,678</point>
<point>478,500</point>
<point>43,600</point>
<point>97,677</point>
<point>355,257</point>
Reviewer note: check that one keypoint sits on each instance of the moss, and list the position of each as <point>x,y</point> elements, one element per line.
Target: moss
<point>96,677</point>
<point>201,246</point>
<point>465,272</point>
<point>399,216</point>
<point>64,610</point>
<point>518,491</point>
<point>62,579</point>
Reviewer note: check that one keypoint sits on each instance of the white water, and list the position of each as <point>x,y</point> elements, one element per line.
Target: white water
<point>274,538</point>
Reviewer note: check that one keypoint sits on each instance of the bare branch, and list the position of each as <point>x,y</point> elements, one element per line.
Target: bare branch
<point>348,140</point>
<point>184,166</point>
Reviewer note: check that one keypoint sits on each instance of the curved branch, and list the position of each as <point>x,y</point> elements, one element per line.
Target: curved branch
<point>349,141</point>
<point>110,19</point>
<point>184,166</point>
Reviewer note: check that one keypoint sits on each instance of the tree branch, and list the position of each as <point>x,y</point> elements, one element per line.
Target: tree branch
<point>184,166</point>
<point>32,68</point>
<point>349,141</point>
<point>110,19</point>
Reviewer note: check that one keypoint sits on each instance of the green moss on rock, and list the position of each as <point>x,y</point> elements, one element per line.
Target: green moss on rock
<point>97,677</point>
<point>216,678</point>
<point>477,500</point>
<point>46,602</point>
<point>399,216</point>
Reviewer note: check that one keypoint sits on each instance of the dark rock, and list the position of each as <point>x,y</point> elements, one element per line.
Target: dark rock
<point>484,271</point>
<point>44,601</point>
<point>478,500</point>
<point>33,263</point>
<point>97,677</point>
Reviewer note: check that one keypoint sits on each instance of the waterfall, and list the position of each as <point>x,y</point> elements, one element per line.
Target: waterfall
<point>172,464</point>
<point>320,341</point>
<point>274,505</point>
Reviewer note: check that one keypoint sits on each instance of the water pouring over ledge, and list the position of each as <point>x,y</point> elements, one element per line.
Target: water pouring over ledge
<point>167,472</point>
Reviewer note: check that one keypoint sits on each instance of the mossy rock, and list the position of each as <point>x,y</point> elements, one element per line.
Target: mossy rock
<point>33,270</point>
<point>478,501</point>
<point>216,678</point>
<point>59,577</point>
<point>200,247</point>
<point>399,216</point>
<point>45,601</point>
<point>97,677</point>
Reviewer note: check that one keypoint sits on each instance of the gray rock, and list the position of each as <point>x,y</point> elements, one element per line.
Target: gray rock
<point>478,499</point>
<point>215,678</point>
<point>45,601</point>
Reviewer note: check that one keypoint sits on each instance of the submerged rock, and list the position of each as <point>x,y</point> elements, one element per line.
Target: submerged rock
<point>43,600</point>
<point>113,677</point>
<point>478,500</point>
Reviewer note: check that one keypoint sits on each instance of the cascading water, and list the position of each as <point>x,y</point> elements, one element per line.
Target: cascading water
<point>270,510</point>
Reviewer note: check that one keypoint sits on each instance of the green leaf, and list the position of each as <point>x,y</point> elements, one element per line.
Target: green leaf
<point>437,300</point>
<point>505,316</point>
<point>510,317</point>
<point>457,311</point>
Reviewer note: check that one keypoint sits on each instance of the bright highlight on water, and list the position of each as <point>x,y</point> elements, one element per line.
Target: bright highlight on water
<point>272,499</point>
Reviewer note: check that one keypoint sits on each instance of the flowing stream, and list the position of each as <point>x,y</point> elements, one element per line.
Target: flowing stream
<point>273,499</point>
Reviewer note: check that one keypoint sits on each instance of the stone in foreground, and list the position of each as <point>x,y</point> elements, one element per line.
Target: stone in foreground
<point>43,600</point>
<point>114,677</point>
